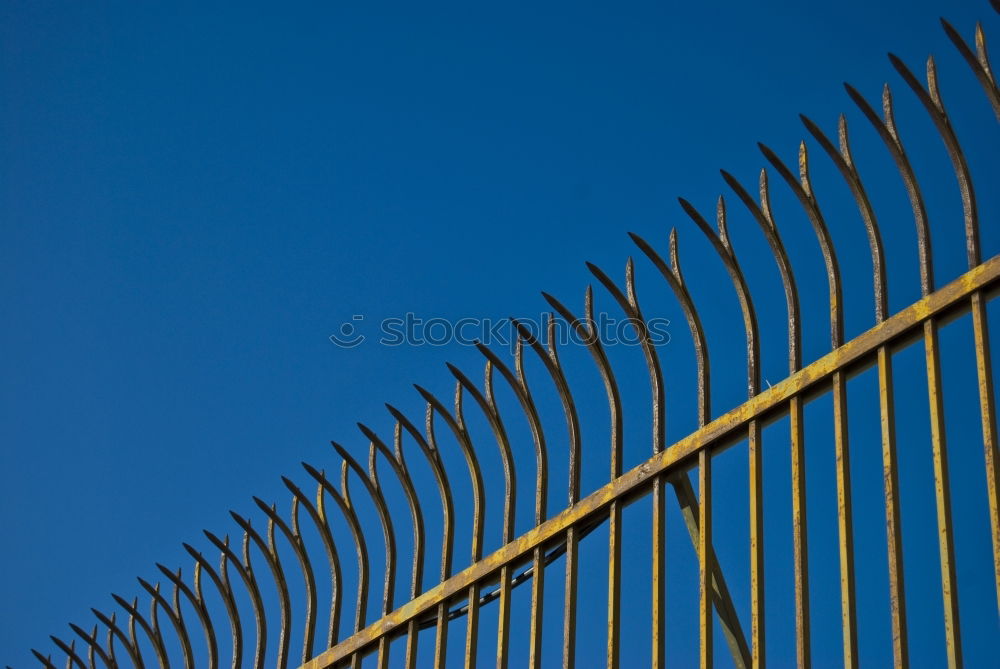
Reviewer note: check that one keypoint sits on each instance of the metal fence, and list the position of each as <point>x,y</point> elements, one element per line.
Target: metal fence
<point>136,634</point>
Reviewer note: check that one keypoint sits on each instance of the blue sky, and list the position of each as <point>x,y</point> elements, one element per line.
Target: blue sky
<point>194,197</point>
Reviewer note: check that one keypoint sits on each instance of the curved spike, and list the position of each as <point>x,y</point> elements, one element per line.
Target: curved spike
<point>931,100</point>
<point>591,335</point>
<point>519,385</point>
<point>273,560</point>
<point>398,466</point>
<point>588,331</point>
<point>151,632</point>
<point>245,572</point>
<point>131,632</point>
<point>510,480</point>
<point>675,280</point>
<point>475,473</point>
<point>333,558</point>
<point>176,616</point>
<point>95,650</point>
<point>154,622</point>
<point>803,191</point>
<point>765,220</point>
<point>70,651</point>
<point>111,643</point>
<point>413,501</point>
<point>630,306</point>
<point>845,165</point>
<point>305,564</point>
<point>115,632</point>
<point>90,654</point>
<point>535,424</point>
<point>360,545</point>
<point>433,458</point>
<point>221,584</point>
<point>724,248</point>
<point>47,661</point>
<point>416,576</point>
<point>91,640</point>
<point>979,62</point>
<point>274,565</point>
<point>488,407</point>
<point>386,521</point>
<point>175,620</point>
<point>886,129</point>
<point>200,610</point>
<point>550,360</point>
<point>176,603</point>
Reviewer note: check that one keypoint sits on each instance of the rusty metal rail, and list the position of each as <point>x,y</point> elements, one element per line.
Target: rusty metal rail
<point>130,636</point>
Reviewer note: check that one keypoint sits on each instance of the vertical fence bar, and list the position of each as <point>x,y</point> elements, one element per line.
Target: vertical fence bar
<point>942,492</point>
<point>441,638</point>
<point>756,546</point>
<point>503,629</point>
<point>984,370</point>
<point>383,652</point>
<point>569,608</point>
<point>799,536</point>
<point>705,556</point>
<point>659,575</point>
<point>893,520</point>
<point>572,540</point>
<point>412,630</point>
<point>535,633</point>
<point>614,582</point>
<point>845,522</point>
<point>472,627</point>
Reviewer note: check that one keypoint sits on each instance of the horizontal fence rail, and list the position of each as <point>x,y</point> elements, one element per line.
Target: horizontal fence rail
<point>245,604</point>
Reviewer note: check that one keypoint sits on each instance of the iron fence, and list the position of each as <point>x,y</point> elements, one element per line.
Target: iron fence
<point>454,603</point>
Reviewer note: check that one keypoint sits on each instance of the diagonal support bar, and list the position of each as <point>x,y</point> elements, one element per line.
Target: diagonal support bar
<point>735,639</point>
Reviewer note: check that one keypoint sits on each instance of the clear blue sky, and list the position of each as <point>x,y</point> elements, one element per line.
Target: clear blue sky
<point>194,197</point>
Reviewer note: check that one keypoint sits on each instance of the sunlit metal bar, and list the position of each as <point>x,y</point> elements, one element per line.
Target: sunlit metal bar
<point>984,370</point>
<point>705,557</point>
<point>441,638</point>
<point>756,544</point>
<point>722,244</point>
<point>658,589</point>
<point>472,627</point>
<point>799,535</point>
<point>893,520</point>
<point>845,522</point>
<point>503,631</point>
<point>614,582</point>
<point>569,604</point>
<point>942,494</point>
<point>535,623</point>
